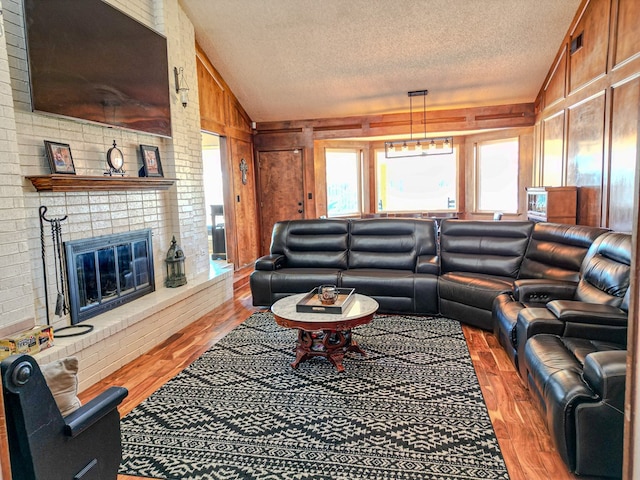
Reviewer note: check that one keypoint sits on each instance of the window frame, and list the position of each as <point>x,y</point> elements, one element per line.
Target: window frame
<point>457,149</point>
<point>360,169</point>
<point>476,173</point>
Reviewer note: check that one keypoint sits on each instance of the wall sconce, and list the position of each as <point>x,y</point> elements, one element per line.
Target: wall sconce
<point>182,88</point>
<point>174,262</point>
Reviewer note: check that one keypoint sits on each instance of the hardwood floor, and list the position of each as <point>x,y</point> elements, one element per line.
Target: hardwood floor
<point>524,441</point>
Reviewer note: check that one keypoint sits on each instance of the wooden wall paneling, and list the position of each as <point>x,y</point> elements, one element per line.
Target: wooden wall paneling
<point>585,157</point>
<point>237,118</point>
<point>212,99</point>
<point>244,204</point>
<point>270,134</point>
<point>555,89</point>
<point>623,154</point>
<point>632,395</point>
<point>590,61</point>
<point>627,31</point>
<point>553,150</point>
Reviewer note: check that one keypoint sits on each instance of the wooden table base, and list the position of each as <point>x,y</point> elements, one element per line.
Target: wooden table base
<point>330,344</point>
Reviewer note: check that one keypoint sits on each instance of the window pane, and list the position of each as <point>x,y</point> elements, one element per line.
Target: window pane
<point>343,181</point>
<point>497,174</point>
<point>416,183</point>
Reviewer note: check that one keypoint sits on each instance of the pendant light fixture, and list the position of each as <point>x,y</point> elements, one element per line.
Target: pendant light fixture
<point>421,146</point>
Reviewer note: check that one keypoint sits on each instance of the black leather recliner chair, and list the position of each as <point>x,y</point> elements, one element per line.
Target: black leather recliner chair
<point>44,445</point>
<point>550,269</point>
<point>572,356</point>
<point>597,309</point>
<point>579,387</point>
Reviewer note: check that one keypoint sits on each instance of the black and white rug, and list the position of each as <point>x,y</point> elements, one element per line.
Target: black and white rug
<point>411,409</point>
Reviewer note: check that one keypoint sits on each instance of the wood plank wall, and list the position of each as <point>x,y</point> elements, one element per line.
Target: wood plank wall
<point>587,113</point>
<point>222,114</point>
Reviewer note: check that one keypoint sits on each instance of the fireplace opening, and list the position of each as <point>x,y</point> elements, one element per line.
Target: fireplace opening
<point>108,271</point>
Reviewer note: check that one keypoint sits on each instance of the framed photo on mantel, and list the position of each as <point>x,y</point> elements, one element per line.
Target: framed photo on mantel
<point>151,166</point>
<point>59,156</point>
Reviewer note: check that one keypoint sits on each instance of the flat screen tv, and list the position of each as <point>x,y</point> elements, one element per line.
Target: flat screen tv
<point>90,61</point>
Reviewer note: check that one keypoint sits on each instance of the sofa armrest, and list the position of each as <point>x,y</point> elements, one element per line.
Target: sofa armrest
<point>605,372</point>
<point>594,321</point>
<point>534,290</point>
<point>591,313</point>
<point>270,262</point>
<point>93,411</point>
<point>428,264</point>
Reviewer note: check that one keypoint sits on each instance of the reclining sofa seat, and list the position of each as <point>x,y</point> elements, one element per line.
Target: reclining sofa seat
<point>304,254</point>
<point>395,262</point>
<point>598,308</point>
<point>551,264</point>
<point>392,260</point>
<point>479,260</point>
<point>573,359</point>
<point>578,386</point>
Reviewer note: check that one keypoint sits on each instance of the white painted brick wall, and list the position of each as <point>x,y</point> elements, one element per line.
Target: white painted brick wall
<point>124,333</point>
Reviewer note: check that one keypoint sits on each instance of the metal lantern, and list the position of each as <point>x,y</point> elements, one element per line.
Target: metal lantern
<point>175,265</point>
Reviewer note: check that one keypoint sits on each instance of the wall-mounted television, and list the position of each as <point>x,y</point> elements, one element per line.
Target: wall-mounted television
<point>89,60</point>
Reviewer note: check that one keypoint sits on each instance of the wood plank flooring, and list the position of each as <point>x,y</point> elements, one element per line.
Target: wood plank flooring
<point>524,441</point>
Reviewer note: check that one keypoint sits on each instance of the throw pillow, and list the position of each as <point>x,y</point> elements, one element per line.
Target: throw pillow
<point>62,378</point>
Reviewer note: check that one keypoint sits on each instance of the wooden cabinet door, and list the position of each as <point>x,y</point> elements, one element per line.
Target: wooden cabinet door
<point>281,190</point>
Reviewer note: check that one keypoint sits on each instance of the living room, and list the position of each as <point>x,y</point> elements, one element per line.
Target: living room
<point>575,106</point>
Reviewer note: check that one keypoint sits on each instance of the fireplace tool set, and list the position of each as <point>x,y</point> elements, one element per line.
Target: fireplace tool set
<point>58,255</point>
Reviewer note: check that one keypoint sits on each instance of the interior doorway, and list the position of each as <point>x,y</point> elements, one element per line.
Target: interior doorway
<point>212,148</point>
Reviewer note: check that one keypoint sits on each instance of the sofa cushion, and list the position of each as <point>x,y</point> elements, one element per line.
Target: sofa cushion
<point>474,289</point>
<point>62,379</point>
<point>606,270</point>
<point>312,243</point>
<point>376,281</point>
<point>490,248</point>
<point>386,243</point>
<point>556,251</point>
<point>301,280</point>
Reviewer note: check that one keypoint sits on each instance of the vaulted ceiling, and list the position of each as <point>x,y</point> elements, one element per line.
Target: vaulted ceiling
<point>304,59</point>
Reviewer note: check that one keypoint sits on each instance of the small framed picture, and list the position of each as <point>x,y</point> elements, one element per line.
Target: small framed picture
<point>59,156</point>
<point>151,166</point>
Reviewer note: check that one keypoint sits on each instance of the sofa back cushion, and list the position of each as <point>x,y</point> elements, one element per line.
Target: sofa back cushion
<point>556,251</point>
<point>312,243</point>
<point>606,271</point>
<point>492,248</point>
<point>391,243</point>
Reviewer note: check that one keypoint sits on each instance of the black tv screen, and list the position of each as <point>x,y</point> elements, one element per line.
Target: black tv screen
<point>90,61</point>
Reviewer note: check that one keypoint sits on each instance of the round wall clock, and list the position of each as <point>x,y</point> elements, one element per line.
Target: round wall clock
<point>115,160</point>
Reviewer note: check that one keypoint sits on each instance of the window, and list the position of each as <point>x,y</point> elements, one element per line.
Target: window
<point>343,181</point>
<point>416,183</point>
<point>497,176</point>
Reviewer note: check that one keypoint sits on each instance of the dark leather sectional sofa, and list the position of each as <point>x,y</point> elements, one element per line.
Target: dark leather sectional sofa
<point>556,297</point>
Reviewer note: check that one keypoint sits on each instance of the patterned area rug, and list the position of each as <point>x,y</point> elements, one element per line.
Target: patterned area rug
<point>411,409</point>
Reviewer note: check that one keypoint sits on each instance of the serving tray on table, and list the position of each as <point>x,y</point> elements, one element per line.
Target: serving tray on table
<point>311,303</point>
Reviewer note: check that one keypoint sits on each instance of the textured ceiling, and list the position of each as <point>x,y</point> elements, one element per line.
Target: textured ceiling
<point>304,59</point>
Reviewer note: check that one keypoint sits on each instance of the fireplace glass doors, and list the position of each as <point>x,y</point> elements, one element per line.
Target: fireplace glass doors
<point>107,271</point>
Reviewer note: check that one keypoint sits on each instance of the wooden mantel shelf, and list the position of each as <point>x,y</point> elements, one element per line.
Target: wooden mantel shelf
<point>83,183</point>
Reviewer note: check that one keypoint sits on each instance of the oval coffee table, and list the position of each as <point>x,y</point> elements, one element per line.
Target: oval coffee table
<point>325,335</point>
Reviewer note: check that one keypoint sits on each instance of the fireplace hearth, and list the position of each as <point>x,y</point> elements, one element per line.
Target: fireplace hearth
<point>108,271</point>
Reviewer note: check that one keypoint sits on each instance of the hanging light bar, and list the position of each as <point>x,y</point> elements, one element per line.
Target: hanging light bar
<point>419,147</point>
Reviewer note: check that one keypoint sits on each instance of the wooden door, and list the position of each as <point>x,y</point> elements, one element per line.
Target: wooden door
<point>281,190</point>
